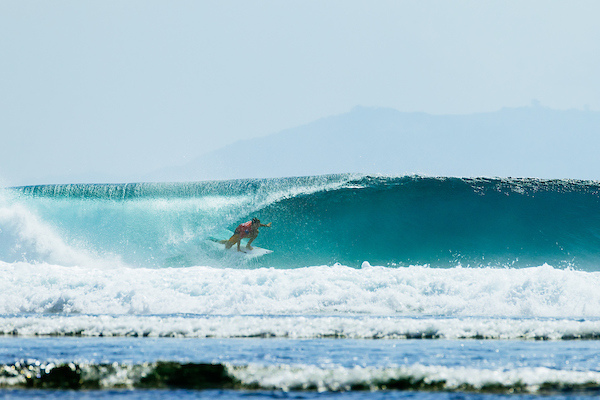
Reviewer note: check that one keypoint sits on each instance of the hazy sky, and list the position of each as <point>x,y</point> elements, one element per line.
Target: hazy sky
<point>125,87</point>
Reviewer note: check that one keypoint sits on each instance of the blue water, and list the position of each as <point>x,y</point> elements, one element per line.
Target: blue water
<point>324,353</point>
<point>377,287</point>
<point>314,359</point>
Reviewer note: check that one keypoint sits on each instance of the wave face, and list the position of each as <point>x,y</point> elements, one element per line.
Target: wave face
<point>346,219</point>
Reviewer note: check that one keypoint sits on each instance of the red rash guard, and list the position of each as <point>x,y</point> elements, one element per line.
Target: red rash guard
<point>243,229</point>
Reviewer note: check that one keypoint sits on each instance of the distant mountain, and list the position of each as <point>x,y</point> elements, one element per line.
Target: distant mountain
<point>518,142</point>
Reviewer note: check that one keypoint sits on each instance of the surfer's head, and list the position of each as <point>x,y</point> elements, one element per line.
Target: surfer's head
<point>255,221</point>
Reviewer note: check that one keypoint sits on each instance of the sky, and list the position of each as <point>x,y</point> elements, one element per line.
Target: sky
<point>109,90</point>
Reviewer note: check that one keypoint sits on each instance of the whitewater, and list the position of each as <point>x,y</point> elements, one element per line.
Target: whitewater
<point>507,267</point>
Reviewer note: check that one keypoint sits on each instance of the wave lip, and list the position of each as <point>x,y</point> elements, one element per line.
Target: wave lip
<point>159,375</point>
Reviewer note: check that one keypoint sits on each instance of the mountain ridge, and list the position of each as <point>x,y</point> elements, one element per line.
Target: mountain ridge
<point>526,141</point>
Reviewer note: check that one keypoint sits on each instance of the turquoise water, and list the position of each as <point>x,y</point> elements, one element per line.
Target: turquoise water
<point>323,220</point>
<point>377,286</point>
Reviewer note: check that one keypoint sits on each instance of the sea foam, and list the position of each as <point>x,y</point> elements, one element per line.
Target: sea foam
<point>320,290</point>
<point>299,327</point>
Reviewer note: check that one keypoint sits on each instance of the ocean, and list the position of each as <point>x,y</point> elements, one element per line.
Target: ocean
<point>377,287</point>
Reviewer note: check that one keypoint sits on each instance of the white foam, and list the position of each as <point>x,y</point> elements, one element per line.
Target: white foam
<point>298,327</point>
<point>27,237</point>
<point>532,292</point>
<point>286,377</point>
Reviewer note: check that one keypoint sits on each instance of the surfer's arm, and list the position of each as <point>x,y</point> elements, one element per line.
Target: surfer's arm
<point>267,225</point>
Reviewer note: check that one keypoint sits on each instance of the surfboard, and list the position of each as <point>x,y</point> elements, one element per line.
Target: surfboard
<point>255,252</point>
<point>244,252</point>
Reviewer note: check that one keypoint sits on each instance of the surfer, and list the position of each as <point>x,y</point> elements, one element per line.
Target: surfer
<point>246,230</point>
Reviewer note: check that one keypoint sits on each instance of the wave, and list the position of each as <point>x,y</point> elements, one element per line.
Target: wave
<point>442,222</point>
<point>300,327</point>
<point>160,375</point>
<point>145,225</point>
<point>346,219</point>
<point>320,290</point>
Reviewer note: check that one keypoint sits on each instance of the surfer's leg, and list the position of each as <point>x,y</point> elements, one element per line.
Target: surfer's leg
<point>232,240</point>
<point>251,237</point>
